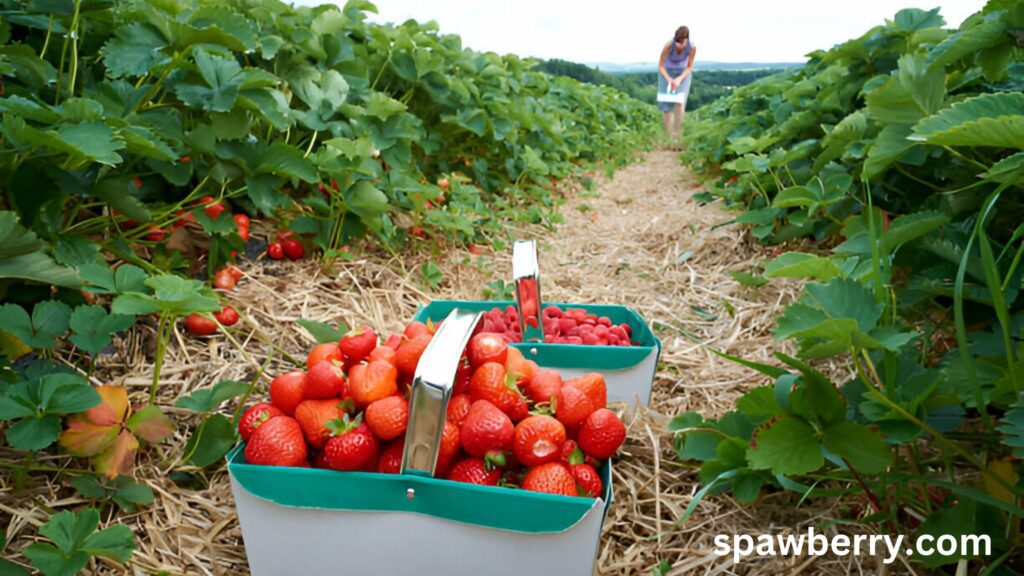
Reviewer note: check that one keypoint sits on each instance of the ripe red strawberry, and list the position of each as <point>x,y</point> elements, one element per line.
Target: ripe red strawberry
<point>487,347</point>
<point>393,341</point>
<point>486,429</point>
<point>538,439</point>
<point>409,352</point>
<point>213,209</point>
<point>571,453</point>
<point>551,478</point>
<point>156,234</point>
<point>224,280</point>
<point>275,251</point>
<point>353,447</point>
<point>458,408</point>
<point>543,386</point>
<point>357,344</point>
<point>292,248</point>
<point>327,351</point>
<point>287,390</point>
<point>388,417</point>
<point>325,380</point>
<point>376,380</point>
<point>385,353</point>
<point>601,434</point>
<point>489,382</point>
<point>200,325</point>
<point>255,416</point>
<point>593,386</point>
<point>235,271</point>
<point>573,406</point>
<point>475,471</point>
<point>390,461</point>
<point>313,416</point>
<point>227,316</point>
<point>416,328</point>
<point>588,481</point>
<point>277,442</point>
<point>451,438</point>
<point>517,365</point>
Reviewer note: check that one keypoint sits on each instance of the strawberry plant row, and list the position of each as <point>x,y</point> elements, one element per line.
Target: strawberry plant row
<point>898,154</point>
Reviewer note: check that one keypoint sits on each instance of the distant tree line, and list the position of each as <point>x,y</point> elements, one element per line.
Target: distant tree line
<point>707,85</point>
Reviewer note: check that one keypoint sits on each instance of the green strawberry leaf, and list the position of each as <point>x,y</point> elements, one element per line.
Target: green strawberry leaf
<point>34,433</point>
<point>103,280</point>
<point>92,327</point>
<point>210,441</point>
<point>323,333</point>
<point>49,321</point>
<point>22,256</point>
<point>859,445</point>
<point>207,399</point>
<point>788,446</point>
<point>172,294</point>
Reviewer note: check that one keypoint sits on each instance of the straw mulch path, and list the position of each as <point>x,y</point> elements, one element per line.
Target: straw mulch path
<point>637,239</point>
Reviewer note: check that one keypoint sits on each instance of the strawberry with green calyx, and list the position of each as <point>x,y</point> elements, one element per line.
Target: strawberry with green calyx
<point>277,442</point>
<point>352,445</point>
<point>601,434</point>
<point>255,416</point>
<point>357,344</point>
<point>325,380</point>
<point>490,382</point>
<point>486,429</point>
<point>551,478</point>
<point>313,416</point>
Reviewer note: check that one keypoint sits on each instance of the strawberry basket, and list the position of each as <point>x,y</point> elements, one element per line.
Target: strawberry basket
<point>628,369</point>
<point>298,520</point>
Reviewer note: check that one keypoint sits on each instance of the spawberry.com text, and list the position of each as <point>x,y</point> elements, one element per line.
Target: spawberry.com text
<point>741,546</point>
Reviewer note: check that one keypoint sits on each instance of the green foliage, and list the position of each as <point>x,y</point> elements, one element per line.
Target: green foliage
<point>75,540</point>
<point>128,494</point>
<point>897,152</point>
<point>37,405</point>
<point>323,333</point>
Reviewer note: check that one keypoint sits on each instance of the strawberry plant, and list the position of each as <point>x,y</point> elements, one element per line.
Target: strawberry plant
<point>883,150</point>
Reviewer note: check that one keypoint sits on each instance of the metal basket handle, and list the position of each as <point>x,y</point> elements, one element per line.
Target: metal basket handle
<point>526,273</point>
<point>431,388</point>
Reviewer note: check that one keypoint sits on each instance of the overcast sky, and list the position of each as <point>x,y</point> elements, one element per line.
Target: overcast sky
<point>635,31</point>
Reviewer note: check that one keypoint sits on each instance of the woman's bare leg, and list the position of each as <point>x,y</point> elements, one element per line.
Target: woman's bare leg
<point>677,119</point>
<point>668,123</point>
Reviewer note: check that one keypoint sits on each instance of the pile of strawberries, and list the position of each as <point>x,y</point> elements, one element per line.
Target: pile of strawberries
<point>509,422</point>
<point>569,326</point>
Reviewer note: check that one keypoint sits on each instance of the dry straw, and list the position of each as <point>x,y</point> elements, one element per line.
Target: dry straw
<point>638,239</point>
